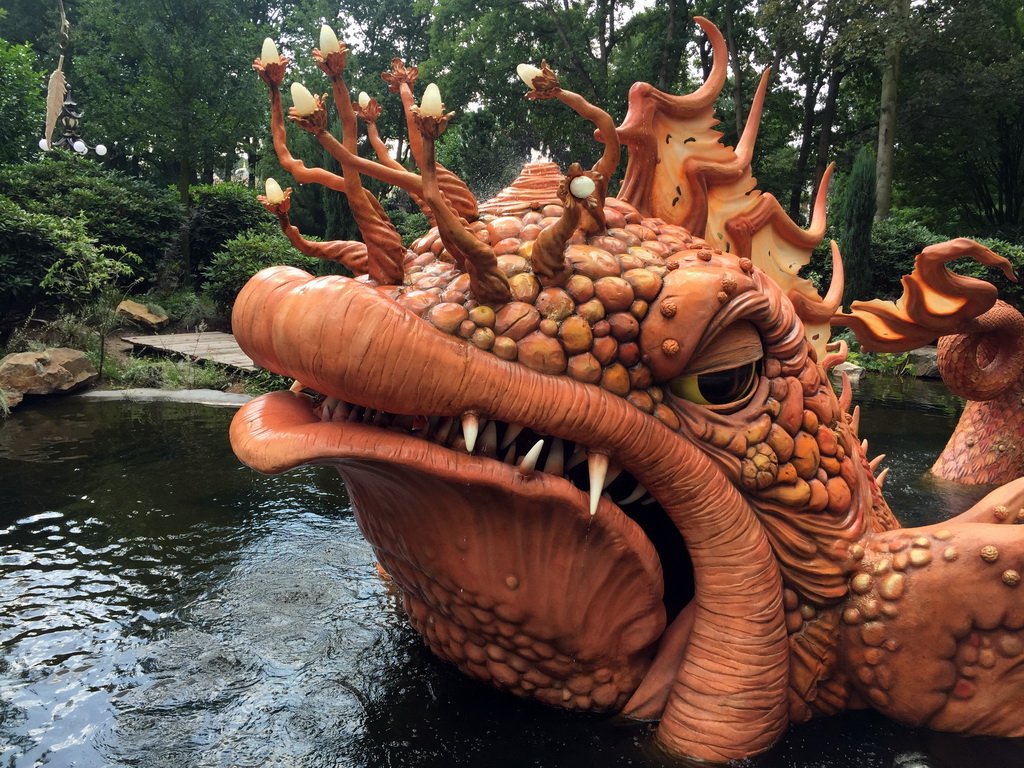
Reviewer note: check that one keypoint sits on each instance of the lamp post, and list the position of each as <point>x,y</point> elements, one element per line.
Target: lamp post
<point>70,118</point>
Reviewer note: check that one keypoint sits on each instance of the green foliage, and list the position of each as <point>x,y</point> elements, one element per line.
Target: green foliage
<point>262,381</point>
<point>895,243</point>
<point>49,261</point>
<point>897,240</point>
<point>117,210</point>
<point>962,118</point>
<point>186,308</point>
<point>896,365</point>
<point>221,212</point>
<point>409,225</point>
<point>245,255</point>
<point>170,83</point>
<point>168,373</point>
<point>87,271</point>
<point>858,213</point>
<point>22,105</point>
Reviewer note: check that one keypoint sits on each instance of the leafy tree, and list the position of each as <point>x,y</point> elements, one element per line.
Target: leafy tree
<point>858,214</point>
<point>22,106</point>
<point>961,130</point>
<point>900,12</point>
<point>168,81</point>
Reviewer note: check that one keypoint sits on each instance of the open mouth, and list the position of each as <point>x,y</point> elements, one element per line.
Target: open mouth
<point>530,451</point>
<point>549,537</point>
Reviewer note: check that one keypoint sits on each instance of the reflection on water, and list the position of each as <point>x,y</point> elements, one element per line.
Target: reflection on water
<point>162,606</point>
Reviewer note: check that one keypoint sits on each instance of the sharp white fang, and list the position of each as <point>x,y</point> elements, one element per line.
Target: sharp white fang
<point>489,439</point>
<point>297,386</point>
<point>470,430</point>
<point>880,480</point>
<point>341,411</point>
<point>636,495</point>
<point>327,409</point>
<point>529,463</point>
<point>598,465</point>
<point>555,464</point>
<point>876,461</point>
<point>510,455</point>
<point>511,434</point>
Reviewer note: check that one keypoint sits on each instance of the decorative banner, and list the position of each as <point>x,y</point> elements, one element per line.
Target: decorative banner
<point>55,93</point>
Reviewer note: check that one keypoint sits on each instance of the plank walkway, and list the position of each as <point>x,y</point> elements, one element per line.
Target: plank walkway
<point>214,346</point>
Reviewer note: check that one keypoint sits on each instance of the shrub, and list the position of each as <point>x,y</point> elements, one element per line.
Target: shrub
<point>49,261</point>
<point>409,225</point>
<point>244,256</point>
<point>858,212</point>
<point>186,308</point>
<point>22,106</point>
<point>219,213</point>
<point>168,373</point>
<point>895,242</point>
<point>116,210</point>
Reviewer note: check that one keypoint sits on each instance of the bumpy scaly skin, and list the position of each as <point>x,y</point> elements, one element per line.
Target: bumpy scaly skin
<point>985,365</point>
<point>742,570</point>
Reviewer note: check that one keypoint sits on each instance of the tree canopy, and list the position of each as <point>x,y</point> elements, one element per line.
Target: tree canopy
<point>167,85</point>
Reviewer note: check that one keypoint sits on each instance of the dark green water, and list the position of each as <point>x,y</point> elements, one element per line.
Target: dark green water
<point>163,606</point>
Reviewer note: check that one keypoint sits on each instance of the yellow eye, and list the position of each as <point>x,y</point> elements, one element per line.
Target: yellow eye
<point>726,387</point>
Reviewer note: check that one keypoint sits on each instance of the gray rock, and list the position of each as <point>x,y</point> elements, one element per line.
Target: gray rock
<point>924,362</point>
<point>855,372</point>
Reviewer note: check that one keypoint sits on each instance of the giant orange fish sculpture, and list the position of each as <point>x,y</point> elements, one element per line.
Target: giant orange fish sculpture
<point>592,439</point>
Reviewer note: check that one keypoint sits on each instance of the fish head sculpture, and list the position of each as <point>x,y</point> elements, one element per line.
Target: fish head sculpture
<point>591,439</point>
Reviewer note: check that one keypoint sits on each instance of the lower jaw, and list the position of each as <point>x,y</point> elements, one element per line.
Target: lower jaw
<point>511,578</point>
<point>508,576</point>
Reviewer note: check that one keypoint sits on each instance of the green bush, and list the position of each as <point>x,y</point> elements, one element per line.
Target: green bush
<point>115,209</point>
<point>186,308</point>
<point>169,373</point>
<point>896,364</point>
<point>48,261</point>
<point>244,256</point>
<point>410,226</point>
<point>22,106</point>
<point>219,213</point>
<point>895,243</point>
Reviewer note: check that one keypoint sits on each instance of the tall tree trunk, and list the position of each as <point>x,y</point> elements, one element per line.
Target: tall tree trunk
<point>734,58</point>
<point>184,183</point>
<point>806,139</point>
<point>671,49</point>
<point>828,118</point>
<point>673,43</point>
<point>887,115</point>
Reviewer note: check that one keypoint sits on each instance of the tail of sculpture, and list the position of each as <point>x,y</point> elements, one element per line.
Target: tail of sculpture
<point>981,355</point>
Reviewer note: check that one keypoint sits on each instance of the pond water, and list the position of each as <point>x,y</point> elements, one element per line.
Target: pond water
<point>163,606</point>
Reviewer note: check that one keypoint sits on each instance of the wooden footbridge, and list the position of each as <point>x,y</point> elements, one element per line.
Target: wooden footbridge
<point>214,346</point>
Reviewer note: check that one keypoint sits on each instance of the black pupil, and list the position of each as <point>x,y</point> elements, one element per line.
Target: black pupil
<point>724,387</point>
